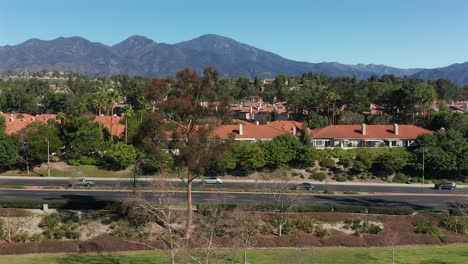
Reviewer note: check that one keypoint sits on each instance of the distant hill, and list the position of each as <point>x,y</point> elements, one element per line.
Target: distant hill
<point>139,55</point>
<point>457,73</point>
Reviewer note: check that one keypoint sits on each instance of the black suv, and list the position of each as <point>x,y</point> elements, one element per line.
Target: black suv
<point>445,185</point>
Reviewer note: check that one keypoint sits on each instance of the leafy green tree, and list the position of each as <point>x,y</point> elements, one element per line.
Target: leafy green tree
<point>308,155</point>
<point>281,150</point>
<point>223,157</point>
<point>315,120</point>
<point>393,161</point>
<point>2,125</point>
<point>444,154</point>
<point>351,118</point>
<point>364,160</point>
<point>8,151</point>
<point>120,155</point>
<point>81,136</point>
<point>36,135</point>
<point>249,155</point>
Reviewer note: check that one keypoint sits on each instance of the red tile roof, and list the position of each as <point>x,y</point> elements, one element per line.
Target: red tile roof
<point>267,131</point>
<point>15,124</point>
<point>256,107</point>
<point>372,131</point>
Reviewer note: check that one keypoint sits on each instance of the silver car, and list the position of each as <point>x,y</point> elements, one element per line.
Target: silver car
<point>213,181</point>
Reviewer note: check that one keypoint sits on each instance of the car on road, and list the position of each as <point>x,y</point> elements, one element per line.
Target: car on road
<point>305,186</point>
<point>445,185</point>
<point>214,180</point>
<point>82,182</point>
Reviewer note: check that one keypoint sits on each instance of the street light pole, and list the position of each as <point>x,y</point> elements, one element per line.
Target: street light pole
<point>48,158</point>
<point>424,150</point>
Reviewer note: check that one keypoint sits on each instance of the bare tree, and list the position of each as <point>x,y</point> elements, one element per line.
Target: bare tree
<point>158,204</point>
<point>246,231</point>
<point>462,206</point>
<point>23,151</point>
<point>392,239</point>
<point>283,200</point>
<point>210,225</point>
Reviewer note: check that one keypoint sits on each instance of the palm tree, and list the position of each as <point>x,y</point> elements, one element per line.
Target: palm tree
<point>100,99</point>
<point>127,111</point>
<point>113,97</point>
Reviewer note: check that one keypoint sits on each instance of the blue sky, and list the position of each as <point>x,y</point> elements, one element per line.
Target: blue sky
<point>400,33</point>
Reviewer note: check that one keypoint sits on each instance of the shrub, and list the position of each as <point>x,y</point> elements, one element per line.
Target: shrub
<point>340,178</point>
<point>327,163</point>
<point>457,224</point>
<point>401,178</point>
<point>391,210</point>
<point>20,236</point>
<point>51,221</point>
<point>2,224</point>
<point>319,176</point>
<point>206,208</point>
<point>84,160</point>
<point>120,155</point>
<point>350,209</point>
<point>72,233</point>
<point>321,232</point>
<point>35,237</point>
<point>425,226</point>
<point>304,224</point>
<point>346,161</point>
<point>314,208</point>
<point>73,162</point>
<point>361,226</point>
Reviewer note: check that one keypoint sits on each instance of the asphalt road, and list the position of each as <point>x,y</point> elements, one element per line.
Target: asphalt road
<point>241,186</point>
<point>419,202</point>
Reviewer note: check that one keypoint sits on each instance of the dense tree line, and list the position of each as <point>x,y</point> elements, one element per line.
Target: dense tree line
<point>178,106</point>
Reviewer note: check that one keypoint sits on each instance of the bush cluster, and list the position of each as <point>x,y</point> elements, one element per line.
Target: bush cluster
<point>457,224</point>
<point>60,204</point>
<point>424,226</point>
<point>61,225</point>
<point>361,226</point>
<point>205,208</point>
<point>327,163</point>
<point>319,176</point>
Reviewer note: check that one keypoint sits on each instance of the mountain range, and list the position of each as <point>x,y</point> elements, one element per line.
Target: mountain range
<point>139,55</point>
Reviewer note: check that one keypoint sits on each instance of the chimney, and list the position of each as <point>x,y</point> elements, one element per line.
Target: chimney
<point>257,123</point>
<point>241,130</point>
<point>395,129</point>
<point>294,131</point>
<point>251,109</point>
<point>11,118</point>
<point>363,129</point>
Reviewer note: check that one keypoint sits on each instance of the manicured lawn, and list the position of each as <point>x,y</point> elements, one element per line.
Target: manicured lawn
<point>455,254</point>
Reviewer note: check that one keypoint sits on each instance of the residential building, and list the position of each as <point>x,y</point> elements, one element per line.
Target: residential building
<point>350,136</point>
<point>257,111</point>
<point>17,122</point>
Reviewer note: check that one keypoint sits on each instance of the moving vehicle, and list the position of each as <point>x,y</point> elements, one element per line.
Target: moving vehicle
<point>305,186</point>
<point>213,181</point>
<point>82,182</point>
<point>445,185</point>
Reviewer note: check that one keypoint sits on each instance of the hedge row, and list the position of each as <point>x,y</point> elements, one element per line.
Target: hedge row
<point>60,204</point>
<point>204,208</point>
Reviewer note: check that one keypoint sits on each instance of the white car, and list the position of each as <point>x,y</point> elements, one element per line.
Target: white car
<point>213,181</point>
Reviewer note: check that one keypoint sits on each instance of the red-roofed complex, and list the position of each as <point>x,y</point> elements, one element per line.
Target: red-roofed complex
<point>349,136</point>
<point>16,122</point>
<point>257,132</point>
<point>256,111</point>
<point>459,107</point>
